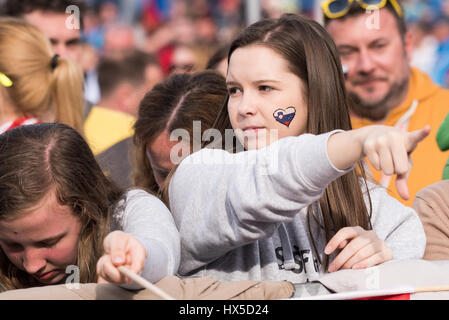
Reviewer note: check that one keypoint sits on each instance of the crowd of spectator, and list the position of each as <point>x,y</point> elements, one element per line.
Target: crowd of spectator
<point>183,34</point>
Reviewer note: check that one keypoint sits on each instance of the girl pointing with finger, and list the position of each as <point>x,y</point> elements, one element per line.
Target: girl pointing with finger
<point>313,211</point>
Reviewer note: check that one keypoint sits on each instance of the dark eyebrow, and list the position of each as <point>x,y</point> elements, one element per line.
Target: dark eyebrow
<point>380,40</point>
<point>68,42</point>
<point>346,46</point>
<point>73,41</point>
<point>232,83</point>
<point>51,239</point>
<point>264,81</point>
<point>40,242</point>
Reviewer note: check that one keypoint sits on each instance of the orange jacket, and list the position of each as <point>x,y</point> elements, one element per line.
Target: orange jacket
<point>428,160</point>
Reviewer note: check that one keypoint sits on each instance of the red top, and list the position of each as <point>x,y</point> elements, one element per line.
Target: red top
<point>25,120</point>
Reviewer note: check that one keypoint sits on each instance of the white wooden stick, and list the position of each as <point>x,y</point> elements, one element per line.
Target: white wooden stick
<point>144,283</point>
<point>432,289</point>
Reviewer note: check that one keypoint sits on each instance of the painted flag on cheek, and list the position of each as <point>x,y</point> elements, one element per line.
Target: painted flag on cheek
<point>285,116</point>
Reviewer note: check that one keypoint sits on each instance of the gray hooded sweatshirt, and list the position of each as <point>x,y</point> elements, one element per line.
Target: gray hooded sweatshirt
<point>244,215</point>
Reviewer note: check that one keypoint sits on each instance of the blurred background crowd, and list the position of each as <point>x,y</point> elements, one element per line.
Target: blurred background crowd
<point>181,35</point>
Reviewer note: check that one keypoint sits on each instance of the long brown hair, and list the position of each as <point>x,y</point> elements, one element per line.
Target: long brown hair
<point>175,104</point>
<point>51,157</point>
<point>312,56</point>
<point>39,86</point>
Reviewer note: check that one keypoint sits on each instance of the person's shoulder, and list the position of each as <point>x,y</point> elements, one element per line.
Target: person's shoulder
<point>104,127</point>
<point>202,159</point>
<point>441,93</point>
<point>200,170</point>
<point>101,112</point>
<point>437,190</point>
<point>372,188</point>
<point>426,89</point>
<point>137,193</point>
<point>435,91</point>
<point>434,106</point>
<point>141,200</point>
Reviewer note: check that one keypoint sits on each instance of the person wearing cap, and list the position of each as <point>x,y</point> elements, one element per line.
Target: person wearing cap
<point>375,47</point>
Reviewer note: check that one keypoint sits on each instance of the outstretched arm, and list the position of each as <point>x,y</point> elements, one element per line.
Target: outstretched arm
<point>234,198</point>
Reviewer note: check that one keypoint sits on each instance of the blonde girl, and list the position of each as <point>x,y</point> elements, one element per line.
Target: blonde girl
<point>35,84</point>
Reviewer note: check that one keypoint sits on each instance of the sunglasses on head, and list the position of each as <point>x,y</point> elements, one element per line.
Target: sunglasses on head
<point>338,8</point>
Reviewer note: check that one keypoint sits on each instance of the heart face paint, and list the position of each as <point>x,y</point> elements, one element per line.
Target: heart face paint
<point>285,116</point>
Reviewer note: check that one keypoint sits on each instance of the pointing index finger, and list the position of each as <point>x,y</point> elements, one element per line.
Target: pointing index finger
<point>401,186</point>
<point>415,137</point>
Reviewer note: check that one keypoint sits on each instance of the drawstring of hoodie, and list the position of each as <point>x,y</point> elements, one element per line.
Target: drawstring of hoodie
<point>289,261</point>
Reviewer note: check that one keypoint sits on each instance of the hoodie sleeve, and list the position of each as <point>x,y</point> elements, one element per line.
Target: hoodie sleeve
<point>147,219</point>
<point>221,201</point>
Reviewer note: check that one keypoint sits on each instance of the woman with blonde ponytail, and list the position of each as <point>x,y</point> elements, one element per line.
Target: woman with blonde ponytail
<point>35,84</point>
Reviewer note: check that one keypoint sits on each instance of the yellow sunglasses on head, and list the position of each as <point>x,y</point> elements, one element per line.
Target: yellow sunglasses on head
<point>5,81</point>
<point>338,8</point>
